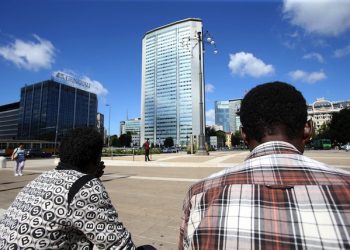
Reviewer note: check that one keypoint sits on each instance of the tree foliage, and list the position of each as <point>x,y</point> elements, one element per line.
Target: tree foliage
<point>114,141</point>
<point>125,140</point>
<point>236,138</point>
<point>340,126</point>
<point>323,132</point>
<point>221,134</point>
<point>168,142</point>
<point>209,131</point>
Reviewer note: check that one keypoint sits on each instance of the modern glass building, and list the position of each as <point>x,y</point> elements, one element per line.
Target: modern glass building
<point>170,94</point>
<point>226,114</point>
<point>133,126</point>
<point>49,108</point>
<point>235,120</point>
<point>9,120</point>
<point>222,114</point>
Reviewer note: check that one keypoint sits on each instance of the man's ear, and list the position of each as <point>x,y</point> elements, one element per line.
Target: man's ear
<point>308,130</point>
<point>244,136</point>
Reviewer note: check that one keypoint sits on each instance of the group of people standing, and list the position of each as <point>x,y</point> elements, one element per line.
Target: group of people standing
<point>276,199</point>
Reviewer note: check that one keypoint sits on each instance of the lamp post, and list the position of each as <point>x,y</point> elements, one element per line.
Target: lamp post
<point>109,129</point>
<point>200,40</point>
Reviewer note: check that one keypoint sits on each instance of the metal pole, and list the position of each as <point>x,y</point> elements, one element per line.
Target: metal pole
<point>201,138</point>
<point>191,144</point>
<point>109,132</point>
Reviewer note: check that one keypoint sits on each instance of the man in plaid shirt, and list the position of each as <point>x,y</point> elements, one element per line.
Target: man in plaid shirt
<point>278,198</point>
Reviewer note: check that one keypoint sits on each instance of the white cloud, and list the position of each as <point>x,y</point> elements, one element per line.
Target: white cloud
<point>95,86</point>
<point>243,63</point>
<point>294,35</point>
<point>210,117</point>
<point>342,52</point>
<point>30,55</point>
<point>209,88</point>
<point>311,77</point>
<point>325,17</point>
<point>314,55</point>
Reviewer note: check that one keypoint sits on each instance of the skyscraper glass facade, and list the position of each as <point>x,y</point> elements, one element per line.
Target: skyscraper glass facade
<point>133,126</point>
<point>170,83</point>
<point>9,120</point>
<point>222,114</point>
<point>49,106</point>
<point>235,120</point>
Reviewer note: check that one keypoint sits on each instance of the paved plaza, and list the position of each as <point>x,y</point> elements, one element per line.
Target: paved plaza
<point>149,195</point>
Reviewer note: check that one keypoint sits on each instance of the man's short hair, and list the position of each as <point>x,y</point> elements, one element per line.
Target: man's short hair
<point>273,107</point>
<point>81,146</point>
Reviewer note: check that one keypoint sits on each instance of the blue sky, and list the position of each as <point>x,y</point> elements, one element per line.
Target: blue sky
<point>305,43</point>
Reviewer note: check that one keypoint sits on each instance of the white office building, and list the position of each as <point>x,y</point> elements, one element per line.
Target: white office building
<point>322,110</point>
<point>170,97</point>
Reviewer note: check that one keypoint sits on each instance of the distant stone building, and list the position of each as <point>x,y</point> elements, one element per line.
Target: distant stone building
<point>322,110</point>
<point>228,141</point>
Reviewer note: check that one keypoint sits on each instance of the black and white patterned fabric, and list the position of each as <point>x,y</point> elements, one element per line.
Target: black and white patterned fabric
<point>41,218</point>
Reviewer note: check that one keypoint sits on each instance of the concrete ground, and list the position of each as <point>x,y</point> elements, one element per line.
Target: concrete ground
<point>148,195</point>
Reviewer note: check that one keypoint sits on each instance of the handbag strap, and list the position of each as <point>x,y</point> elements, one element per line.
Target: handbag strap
<point>77,185</point>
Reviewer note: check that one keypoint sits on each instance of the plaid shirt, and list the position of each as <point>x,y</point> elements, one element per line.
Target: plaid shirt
<point>277,199</point>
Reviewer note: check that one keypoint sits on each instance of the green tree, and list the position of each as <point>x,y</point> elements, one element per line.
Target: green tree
<point>114,141</point>
<point>125,140</point>
<point>168,142</point>
<point>221,134</point>
<point>323,132</point>
<point>236,138</point>
<point>340,126</point>
<point>209,131</point>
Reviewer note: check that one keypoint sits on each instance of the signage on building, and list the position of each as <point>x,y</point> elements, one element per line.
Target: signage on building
<point>70,80</point>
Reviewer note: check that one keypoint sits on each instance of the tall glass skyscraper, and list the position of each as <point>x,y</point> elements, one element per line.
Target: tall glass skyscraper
<point>235,120</point>
<point>170,82</point>
<point>222,114</point>
<point>49,106</point>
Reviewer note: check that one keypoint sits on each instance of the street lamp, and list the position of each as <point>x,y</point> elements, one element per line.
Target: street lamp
<point>109,129</point>
<point>200,40</point>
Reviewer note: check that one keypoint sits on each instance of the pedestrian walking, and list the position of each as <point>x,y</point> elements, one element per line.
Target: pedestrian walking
<point>146,148</point>
<point>18,155</point>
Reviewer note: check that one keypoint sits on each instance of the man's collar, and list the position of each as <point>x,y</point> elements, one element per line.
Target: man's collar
<point>273,147</point>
